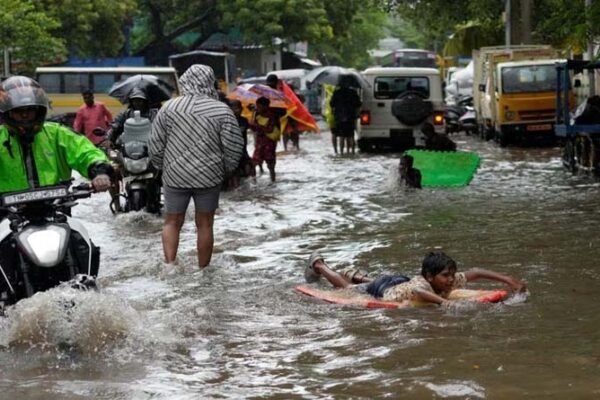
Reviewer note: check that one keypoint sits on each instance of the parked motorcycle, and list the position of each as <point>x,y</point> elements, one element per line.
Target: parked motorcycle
<point>41,245</point>
<point>468,121</point>
<point>460,115</point>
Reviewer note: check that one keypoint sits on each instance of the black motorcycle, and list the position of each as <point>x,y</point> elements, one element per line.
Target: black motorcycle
<point>41,245</point>
<point>140,181</point>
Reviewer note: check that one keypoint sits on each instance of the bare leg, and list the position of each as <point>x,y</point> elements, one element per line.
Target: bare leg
<point>205,239</point>
<point>334,143</point>
<point>170,235</point>
<point>271,167</point>
<point>337,280</point>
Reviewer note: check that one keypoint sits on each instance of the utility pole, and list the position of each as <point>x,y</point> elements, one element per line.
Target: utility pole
<point>6,62</point>
<point>525,21</point>
<point>507,23</point>
<point>590,49</point>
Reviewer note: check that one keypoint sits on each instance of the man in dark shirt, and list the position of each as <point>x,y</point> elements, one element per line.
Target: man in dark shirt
<point>436,141</point>
<point>345,104</point>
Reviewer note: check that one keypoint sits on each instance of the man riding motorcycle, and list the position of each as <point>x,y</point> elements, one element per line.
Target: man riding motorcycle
<point>35,153</point>
<point>138,101</point>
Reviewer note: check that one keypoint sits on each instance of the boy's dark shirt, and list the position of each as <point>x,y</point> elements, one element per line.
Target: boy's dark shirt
<point>345,103</point>
<point>412,178</point>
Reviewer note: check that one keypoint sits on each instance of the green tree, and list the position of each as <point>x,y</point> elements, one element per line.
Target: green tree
<point>356,27</point>
<point>336,29</point>
<point>89,28</point>
<point>27,34</point>
<point>291,20</point>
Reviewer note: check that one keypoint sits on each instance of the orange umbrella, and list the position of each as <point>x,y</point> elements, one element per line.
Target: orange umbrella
<point>304,119</point>
<point>248,93</point>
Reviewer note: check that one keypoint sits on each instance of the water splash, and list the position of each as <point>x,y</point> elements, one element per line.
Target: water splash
<point>64,318</point>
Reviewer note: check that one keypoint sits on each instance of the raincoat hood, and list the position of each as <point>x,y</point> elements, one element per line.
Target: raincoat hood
<point>198,80</point>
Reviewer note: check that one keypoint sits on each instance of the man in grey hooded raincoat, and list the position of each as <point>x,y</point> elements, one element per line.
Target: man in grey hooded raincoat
<point>196,143</point>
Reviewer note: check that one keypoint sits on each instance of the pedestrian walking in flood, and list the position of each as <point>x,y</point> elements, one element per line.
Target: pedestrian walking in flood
<point>90,116</point>
<point>266,125</point>
<point>196,142</point>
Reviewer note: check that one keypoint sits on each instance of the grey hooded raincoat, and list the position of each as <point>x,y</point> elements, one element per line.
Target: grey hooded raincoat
<point>195,138</point>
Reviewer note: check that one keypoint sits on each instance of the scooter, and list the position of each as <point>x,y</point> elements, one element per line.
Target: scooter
<point>41,245</point>
<point>468,121</point>
<point>454,112</point>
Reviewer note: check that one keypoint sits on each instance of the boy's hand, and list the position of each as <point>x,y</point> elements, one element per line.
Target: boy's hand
<point>517,286</point>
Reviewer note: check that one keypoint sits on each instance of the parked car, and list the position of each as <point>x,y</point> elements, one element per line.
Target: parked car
<point>395,106</point>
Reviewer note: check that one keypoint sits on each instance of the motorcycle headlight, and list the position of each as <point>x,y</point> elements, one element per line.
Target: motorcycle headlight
<point>44,245</point>
<point>135,150</point>
<point>509,115</point>
<point>136,166</point>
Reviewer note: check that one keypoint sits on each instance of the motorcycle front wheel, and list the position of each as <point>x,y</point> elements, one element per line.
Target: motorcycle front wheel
<point>136,200</point>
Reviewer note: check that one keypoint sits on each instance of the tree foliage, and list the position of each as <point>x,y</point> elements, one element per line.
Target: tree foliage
<point>90,28</point>
<point>340,31</point>
<point>262,20</point>
<point>356,27</point>
<point>28,34</point>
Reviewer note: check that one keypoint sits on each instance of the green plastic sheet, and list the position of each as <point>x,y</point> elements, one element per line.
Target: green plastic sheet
<point>445,168</point>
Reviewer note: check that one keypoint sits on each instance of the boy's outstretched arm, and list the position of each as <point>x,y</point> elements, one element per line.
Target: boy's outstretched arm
<point>429,297</point>
<point>478,273</point>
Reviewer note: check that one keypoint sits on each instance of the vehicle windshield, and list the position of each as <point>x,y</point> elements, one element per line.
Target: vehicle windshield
<point>529,78</point>
<point>389,87</point>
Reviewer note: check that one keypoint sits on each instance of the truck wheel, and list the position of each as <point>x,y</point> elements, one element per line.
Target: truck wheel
<point>410,108</point>
<point>502,138</point>
<point>568,156</point>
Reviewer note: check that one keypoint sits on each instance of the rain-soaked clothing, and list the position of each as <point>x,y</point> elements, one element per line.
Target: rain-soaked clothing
<point>195,138</point>
<point>48,160</point>
<point>404,291</point>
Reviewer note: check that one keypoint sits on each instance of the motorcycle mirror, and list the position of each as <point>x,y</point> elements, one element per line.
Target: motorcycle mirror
<point>98,132</point>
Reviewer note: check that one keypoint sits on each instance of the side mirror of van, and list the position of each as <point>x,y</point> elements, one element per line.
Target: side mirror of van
<point>481,87</point>
<point>577,83</point>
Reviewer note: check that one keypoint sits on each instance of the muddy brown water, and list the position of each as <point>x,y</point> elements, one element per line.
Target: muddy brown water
<point>238,330</point>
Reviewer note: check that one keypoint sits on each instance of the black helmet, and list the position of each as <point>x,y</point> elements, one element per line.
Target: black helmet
<point>21,91</point>
<point>137,93</point>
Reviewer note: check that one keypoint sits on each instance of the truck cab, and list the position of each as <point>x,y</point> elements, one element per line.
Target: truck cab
<point>525,94</point>
<point>514,92</point>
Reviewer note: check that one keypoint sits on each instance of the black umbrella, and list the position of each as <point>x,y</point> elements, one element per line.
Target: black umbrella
<point>333,74</point>
<point>156,89</point>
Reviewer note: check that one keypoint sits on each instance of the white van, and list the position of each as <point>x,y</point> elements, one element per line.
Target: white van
<point>397,104</point>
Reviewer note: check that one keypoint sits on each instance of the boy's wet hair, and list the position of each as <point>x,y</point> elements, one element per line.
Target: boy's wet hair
<point>272,79</point>
<point>235,103</point>
<point>435,262</point>
<point>87,91</point>
<point>263,101</point>
<point>407,160</point>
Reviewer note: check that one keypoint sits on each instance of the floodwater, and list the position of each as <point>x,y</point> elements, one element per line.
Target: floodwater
<point>239,330</point>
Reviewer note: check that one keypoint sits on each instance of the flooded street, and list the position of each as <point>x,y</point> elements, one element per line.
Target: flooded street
<point>239,330</point>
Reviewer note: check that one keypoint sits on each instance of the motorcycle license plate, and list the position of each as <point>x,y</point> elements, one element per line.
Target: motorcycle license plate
<point>537,128</point>
<point>148,175</point>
